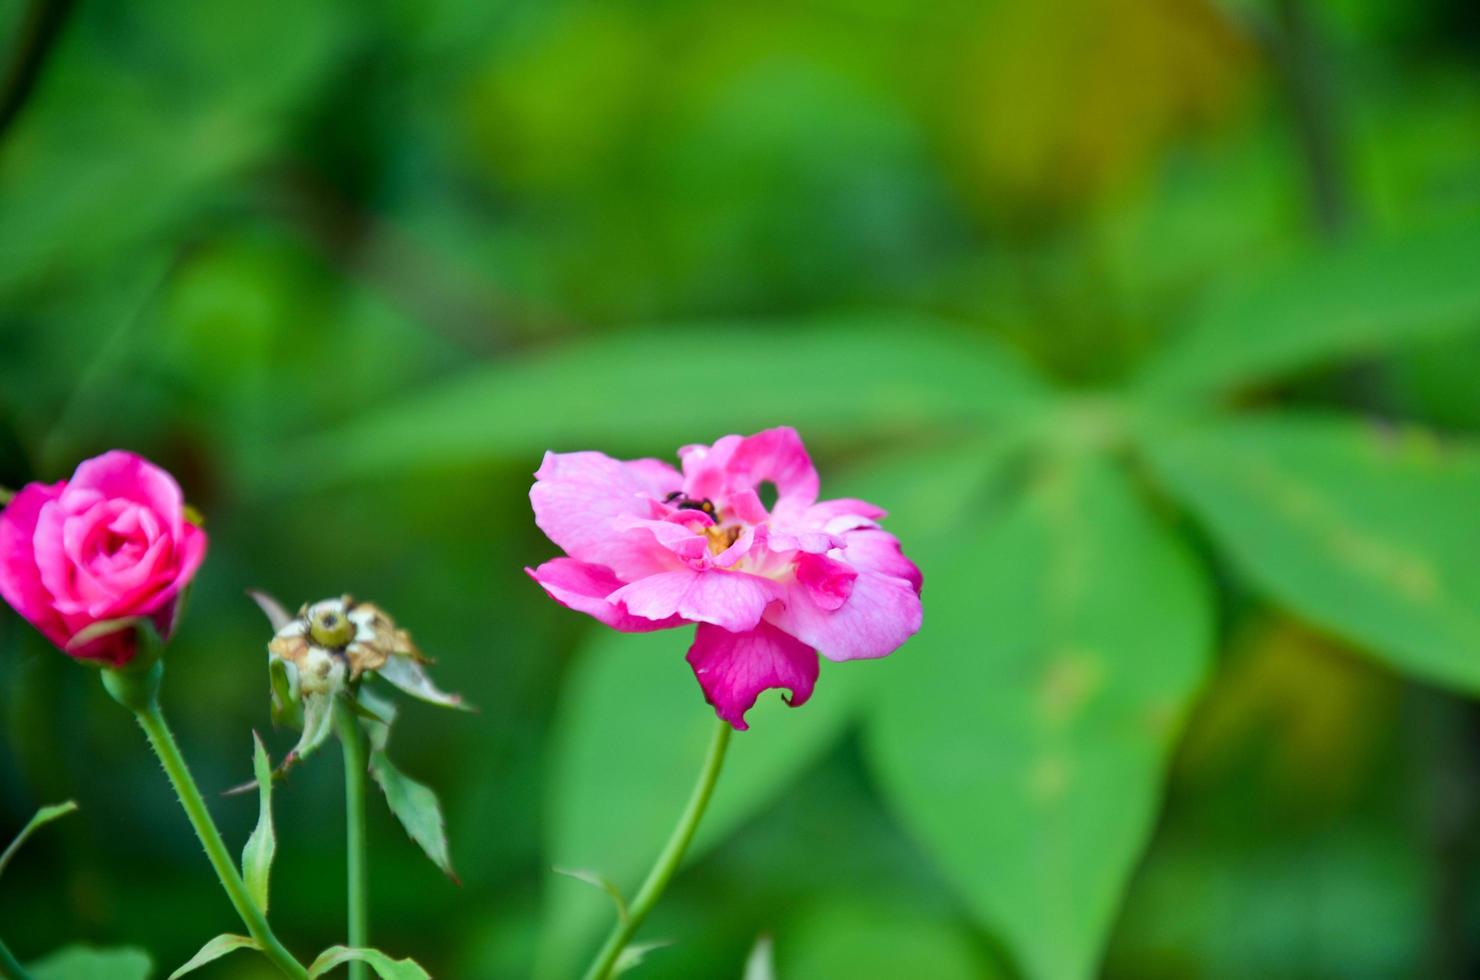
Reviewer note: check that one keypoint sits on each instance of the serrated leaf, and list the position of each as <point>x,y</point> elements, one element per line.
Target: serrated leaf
<point>416,806</point>
<point>262,845</point>
<point>884,374</point>
<point>598,880</point>
<point>87,963</point>
<point>633,955</point>
<point>384,966</point>
<point>214,950</point>
<point>1341,302</point>
<point>40,819</point>
<point>410,676</point>
<point>1370,532</point>
<point>1022,736</point>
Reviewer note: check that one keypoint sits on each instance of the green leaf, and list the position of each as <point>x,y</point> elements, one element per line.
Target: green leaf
<point>598,880</point>
<point>855,377</point>
<point>87,963</point>
<point>761,963</point>
<point>1366,531</point>
<point>42,817</point>
<point>1340,303</point>
<point>1022,735</point>
<point>384,967</point>
<point>632,956</point>
<point>262,845</point>
<point>214,950</point>
<point>416,807</point>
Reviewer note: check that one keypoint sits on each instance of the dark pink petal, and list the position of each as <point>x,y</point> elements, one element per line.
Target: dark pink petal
<point>828,581</point>
<point>880,614</point>
<point>734,668</point>
<point>732,600</point>
<point>120,475</point>
<point>577,498</point>
<point>20,578</point>
<point>586,588</point>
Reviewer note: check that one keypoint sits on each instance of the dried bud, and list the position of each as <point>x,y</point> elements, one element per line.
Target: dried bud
<point>328,648</point>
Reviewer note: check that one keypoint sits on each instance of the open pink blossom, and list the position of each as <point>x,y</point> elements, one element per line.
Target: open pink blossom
<point>111,543</point>
<point>651,547</point>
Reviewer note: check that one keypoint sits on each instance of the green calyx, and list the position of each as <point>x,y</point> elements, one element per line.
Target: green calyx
<point>134,688</point>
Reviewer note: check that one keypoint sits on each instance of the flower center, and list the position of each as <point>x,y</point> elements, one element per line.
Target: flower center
<point>330,628</point>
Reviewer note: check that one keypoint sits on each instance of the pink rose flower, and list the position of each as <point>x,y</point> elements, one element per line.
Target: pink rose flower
<point>111,543</point>
<point>651,548</point>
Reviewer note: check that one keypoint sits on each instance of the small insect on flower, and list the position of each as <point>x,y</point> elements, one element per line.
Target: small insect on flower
<point>327,650</point>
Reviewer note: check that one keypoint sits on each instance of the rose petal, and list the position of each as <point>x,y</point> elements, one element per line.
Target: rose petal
<point>734,668</point>
<point>828,581</point>
<point>585,588</point>
<point>121,475</point>
<point>880,614</point>
<point>577,497</point>
<point>732,600</point>
<point>20,579</point>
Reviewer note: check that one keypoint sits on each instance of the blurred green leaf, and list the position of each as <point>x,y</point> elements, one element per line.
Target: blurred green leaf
<point>1024,733</point>
<point>1342,302</point>
<point>838,378</point>
<point>384,967</point>
<point>42,817</point>
<point>630,737</point>
<point>877,937</point>
<point>1368,531</point>
<point>216,948</point>
<point>86,963</point>
<point>262,845</point>
<point>761,963</point>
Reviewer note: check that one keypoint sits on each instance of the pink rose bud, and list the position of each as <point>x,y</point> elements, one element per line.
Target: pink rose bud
<point>110,545</point>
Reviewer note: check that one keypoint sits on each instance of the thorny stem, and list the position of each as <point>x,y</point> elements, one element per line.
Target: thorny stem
<point>668,860</point>
<point>139,693</point>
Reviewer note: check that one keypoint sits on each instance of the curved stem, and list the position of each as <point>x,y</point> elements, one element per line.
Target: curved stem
<point>10,967</point>
<point>151,719</point>
<point>353,741</point>
<point>668,860</point>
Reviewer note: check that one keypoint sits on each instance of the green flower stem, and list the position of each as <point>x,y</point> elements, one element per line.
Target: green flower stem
<point>139,692</point>
<point>353,741</point>
<point>10,967</point>
<point>668,861</point>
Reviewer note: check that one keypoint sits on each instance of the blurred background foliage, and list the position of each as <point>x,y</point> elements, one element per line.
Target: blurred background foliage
<point>1154,324</point>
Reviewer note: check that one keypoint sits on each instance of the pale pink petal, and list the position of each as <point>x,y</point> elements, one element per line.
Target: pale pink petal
<point>586,588</point>
<point>745,505</point>
<point>678,538</point>
<point>659,478</point>
<point>775,456</point>
<point>732,600</point>
<point>828,582</point>
<point>734,668</point>
<point>873,550</point>
<point>880,614</point>
<point>705,472</point>
<point>825,511</point>
<point>748,539</point>
<point>578,496</point>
